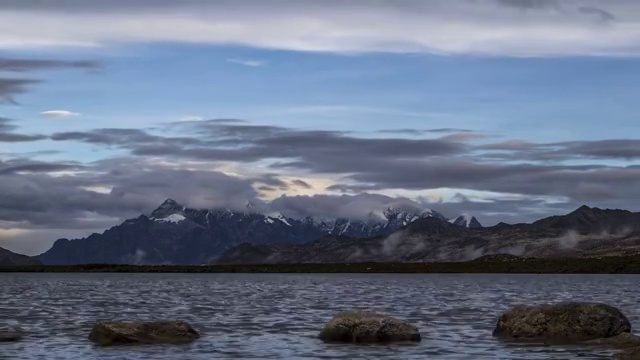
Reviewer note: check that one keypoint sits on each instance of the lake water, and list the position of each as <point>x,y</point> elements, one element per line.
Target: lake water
<point>274,316</point>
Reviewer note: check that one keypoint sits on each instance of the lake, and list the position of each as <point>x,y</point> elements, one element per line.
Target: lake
<point>278,316</point>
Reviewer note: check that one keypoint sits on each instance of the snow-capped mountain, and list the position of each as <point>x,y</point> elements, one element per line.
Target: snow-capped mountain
<point>175,234</point>
<point>467,221</point>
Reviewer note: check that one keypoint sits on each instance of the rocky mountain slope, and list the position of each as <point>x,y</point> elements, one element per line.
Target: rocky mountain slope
<point>174,234</point>
<point>586,232</point>
<point>8,258</point>
<point>467,221</point>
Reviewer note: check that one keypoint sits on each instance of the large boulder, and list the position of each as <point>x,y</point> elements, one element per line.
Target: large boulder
<point>368,327</point>
<point>560,323</point>
<point>10,335</point>
<point>108,333</point>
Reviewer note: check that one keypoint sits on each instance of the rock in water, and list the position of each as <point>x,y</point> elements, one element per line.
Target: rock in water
<point>10,335</point>
<point>108,333</point>
<point>631,354</point>
<point>368,327</point>
<point>565,322</point>
<point>623,341</point>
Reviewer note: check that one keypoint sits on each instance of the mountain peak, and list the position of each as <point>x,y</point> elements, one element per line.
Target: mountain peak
<point>168,207</point>
<point>582,209</point>
<point>467,221</point>
<point>169,202</point>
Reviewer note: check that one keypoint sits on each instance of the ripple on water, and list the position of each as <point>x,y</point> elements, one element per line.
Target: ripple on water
<point>274,316</point>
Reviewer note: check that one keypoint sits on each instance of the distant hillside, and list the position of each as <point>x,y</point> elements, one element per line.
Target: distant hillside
<point>8,258</point>
<point>586,232</point>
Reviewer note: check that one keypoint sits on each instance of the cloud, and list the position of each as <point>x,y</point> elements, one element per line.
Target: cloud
<point>423,131</point>
<point>10,87</point>
<point>247,62</point>
<point>361,206</point>
<point>621,149</point>
<point>16,167</point>
<point>529,4</point>
<point>60,195</point>
<point>8,135</point>
<point>302,184</point>
<point>59,114</point>
<point>218,141</point>
<point>191,118</point>
<point>23,65</point>
<point>603,15</point>
<point>494,28</point>
<point>464,136</point>
<point>380,164</point>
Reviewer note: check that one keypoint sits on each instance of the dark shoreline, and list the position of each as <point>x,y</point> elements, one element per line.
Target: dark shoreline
<point>492,264</point>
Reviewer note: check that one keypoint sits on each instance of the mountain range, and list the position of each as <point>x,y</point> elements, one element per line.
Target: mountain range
<point>586,232</point>
<point>8,258</point>
<point>175,234</point>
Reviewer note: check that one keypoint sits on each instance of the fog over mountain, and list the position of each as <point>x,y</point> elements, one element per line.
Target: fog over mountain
<point>176,234</point>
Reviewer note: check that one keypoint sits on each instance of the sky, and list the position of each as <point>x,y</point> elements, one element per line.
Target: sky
<point>507,110</point>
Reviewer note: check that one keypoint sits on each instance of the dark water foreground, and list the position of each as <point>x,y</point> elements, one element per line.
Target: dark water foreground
<point>278,316</point>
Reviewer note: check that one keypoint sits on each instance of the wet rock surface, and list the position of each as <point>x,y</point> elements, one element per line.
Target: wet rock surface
<point>107,333</point>
<point>368,327</point>
<point>629,354</point>
<point>11,335</point>
<point>562,323</point>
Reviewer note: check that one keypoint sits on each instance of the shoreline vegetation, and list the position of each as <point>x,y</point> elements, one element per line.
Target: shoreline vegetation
<point>490,264</point>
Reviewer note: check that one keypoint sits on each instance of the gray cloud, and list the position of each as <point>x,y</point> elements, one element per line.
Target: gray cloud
<point>464,137</point>
<point>611,149</point>
<point>11,87</point>
<point>272,181</point>
<point>359,206</point>
<point>603,15</point>
<point>16,166</point>
<point>34,199</point>
<point>424,131</point>
<point>301,183</point>
<point>622,149</point>
<point>22,65</point>
<point>247,143</point>
<point>511,145</point>
<point>463,26</point>
<point>144,142</point>
<point>529,4</point>
<point>7,133</point>
<point>369,164</point>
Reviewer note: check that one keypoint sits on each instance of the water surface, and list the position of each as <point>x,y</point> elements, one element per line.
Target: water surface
<point>278,316</point>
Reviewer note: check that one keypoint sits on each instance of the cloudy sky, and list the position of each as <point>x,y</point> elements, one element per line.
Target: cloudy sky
<point>509,110</point>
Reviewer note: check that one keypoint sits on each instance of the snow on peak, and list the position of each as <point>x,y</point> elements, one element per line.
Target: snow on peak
<point>283,219</point>
<point>173,218</point>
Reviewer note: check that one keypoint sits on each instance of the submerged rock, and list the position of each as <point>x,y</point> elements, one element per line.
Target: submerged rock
<point>630,354</point>
<point>368,327</point>
<point>623,341</point>
<point>108,333</point>
<point>562,323</point>
<point>10,335</point>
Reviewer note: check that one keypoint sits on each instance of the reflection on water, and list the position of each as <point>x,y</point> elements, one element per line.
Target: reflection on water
<point>273,316</point>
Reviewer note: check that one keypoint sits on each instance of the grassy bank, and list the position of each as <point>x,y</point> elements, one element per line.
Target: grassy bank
<point>493,264</point>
